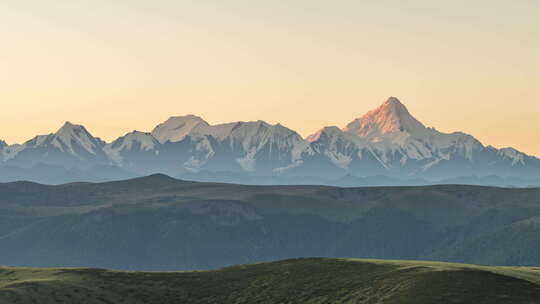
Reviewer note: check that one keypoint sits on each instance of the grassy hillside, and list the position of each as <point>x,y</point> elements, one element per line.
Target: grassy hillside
<point>159,223</point>
<point>291,281</point>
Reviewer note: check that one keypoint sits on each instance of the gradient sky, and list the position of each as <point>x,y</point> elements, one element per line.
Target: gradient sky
<point>116,66</point>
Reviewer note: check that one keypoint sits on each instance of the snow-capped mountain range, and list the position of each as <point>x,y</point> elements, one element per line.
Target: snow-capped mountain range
<point>387,141</point>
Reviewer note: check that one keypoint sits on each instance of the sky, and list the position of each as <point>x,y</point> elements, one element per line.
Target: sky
<point>123,65</point>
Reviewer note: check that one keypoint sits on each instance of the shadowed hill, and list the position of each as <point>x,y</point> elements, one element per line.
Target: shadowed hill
<point>160,223</point>
<point>291,281</point>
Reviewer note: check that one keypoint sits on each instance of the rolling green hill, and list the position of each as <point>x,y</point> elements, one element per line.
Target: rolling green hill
<point>291,281</point>
<point>160,223</point>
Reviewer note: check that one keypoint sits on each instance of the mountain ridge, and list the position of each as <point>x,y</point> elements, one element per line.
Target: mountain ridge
<point>385,141</point>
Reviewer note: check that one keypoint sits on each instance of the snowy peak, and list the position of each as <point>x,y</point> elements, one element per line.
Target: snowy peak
<point>71,135</point>
<point>255,139</point>
<point>391,130</point>
<point>387,140</point>
<point>391,117</point>
<point>332,136</point>
<point>250,140</point>
<point>259,128</point>
<point>341,148</point>
<point>133,142</point>
<point>331,131</point>
<point>177,127</point>
<point>71,139</point>
<point>69,130</point>
<point>143,141</point>
<point>254,135</point>
<point>240,130</point>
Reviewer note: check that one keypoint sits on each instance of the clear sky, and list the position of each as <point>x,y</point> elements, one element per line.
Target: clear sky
<point>116,66</point>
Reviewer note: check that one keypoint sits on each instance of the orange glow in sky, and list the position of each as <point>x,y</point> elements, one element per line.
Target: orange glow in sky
<point>116,66</point>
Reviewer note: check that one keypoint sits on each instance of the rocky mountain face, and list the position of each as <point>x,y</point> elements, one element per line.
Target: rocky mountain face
<point>71,146</point>
<point>390,141</point>
<point>387,141</point>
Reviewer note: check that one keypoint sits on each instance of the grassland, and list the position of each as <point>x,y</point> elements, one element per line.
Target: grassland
<point>309,280</point>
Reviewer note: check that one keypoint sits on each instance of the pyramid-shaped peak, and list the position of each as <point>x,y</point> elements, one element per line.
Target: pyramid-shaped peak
<point>70,137</point>
<point>70,131</point>
<point>69,127</point>
<point>393,106</point>
<point>393,101</point>
<point>390,117</point>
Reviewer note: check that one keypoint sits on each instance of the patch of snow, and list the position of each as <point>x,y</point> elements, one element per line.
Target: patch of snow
<point>390,117</point>
<point>391,129</point>
<point>177,128</point>
<point>10,152</point>
<point>71,134</point>
<point>247,162</point>
<point>340,147</point>
<point>145,142</point>
<point>514,155</point>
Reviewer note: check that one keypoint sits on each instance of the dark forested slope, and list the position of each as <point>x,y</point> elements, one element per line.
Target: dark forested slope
<point>160,223</point>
